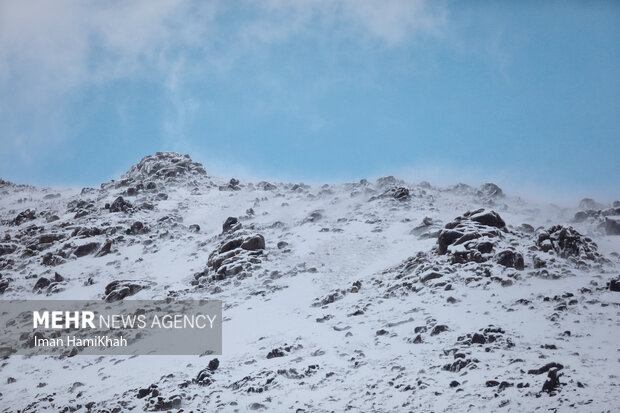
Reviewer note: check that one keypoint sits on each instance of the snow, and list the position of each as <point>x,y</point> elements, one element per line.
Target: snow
<point>273,305</point>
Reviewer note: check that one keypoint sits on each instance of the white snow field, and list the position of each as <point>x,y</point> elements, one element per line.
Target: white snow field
<point>382,296</point>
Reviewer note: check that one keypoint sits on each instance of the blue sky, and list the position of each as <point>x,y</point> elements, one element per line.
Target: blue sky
<point>526,94</point>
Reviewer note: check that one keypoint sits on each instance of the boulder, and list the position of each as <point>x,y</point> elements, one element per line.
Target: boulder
<point>567,243</point>
<point>253,243</point>
<point>120,205</point>
<point>231,224</point>
<point>86,249</point>
<point>118,290</point>
<point>490,190</point>
<point>510,259</point>
<point>488,218</point>
<point>41,284</point>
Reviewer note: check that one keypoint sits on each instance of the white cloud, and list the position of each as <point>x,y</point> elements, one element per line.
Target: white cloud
<point>63,44</point>
<point>56,46</point>
<point>51,50</point>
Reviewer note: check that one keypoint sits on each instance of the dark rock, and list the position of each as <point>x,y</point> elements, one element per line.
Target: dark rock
<point>27,215</point>
<point>214,364</point>
<point>567,243</point>
<point>231,224</point>
<point>86,249</point>
<point>504,385</point>
<point>469,227</point>
<point>314,216</point>
<point>142,393</point>
<point>49,238</point>
<point>282,244</point>
<point>612,225</point>
<point>120,205</point>
<point>41,284</point>
<point>118,290</point>
<point>438,329</point>
<point>164,165</point>
<point>478,338</point>
<point>266,186</point>
<point>276,352</point>
<point>400,193</point>
<point>457,365</point>
<point>233,184</point>
<point>204,377</point>
<point>230,245</point>
<point>194,228</point>
<point>105,249</point>
<point>447,238</point>
<point>614,285</point>
<point>490,190</point>
<point>85,232</point>
<point>431,276</point>
<point>454,383</point>
<point>137,228</point>
<point>510,259</point>
<point>539,262</point>
<point>485,247</point>
<point>256,242</point>
<point>552,382</point>
<point>488,218</point>
<point>6,249</point>
<point>492,383</point>
<point>51,260</point>
<point>546,368</point>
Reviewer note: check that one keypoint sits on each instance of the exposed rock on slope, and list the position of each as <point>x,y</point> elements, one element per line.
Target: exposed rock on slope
<point>163,165</point>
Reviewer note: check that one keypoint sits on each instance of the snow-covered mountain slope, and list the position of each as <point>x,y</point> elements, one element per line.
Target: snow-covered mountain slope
<point>369,296</point>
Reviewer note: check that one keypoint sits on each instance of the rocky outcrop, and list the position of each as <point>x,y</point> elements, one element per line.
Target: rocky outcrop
<point>472,234</point>
<point>118,290</point>
<point>567,242</point>
<point>164,166</point>
<point>236,256</point>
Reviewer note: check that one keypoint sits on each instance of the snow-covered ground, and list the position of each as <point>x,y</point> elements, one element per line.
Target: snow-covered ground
<point>369,296</point>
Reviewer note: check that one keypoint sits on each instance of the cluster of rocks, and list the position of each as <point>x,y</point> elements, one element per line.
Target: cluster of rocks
<point>233,185</point>
<point>49,285</point>
<point>488,193</point>
<point>156,402</point>
<point>119,205</point>
<point>163,165</point>
<point>238,254</point>
<point>120,289</point>
<point>81,208</point>
<point>566,242</point>
<point>24,216</point>
<point>552,384</point>
<point>400,193</point>
<point>481,237</point>
<point>205,376</point>
<point>337,294</point>
<point>606,218</point>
